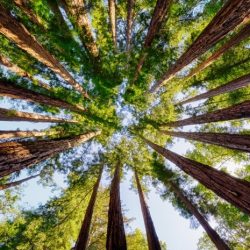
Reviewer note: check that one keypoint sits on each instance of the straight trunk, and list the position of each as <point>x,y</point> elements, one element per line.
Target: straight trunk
<point>83,238</point>
<point>17,33</point>
<point>130,17</point>
<point>8,134</point>
<point>235,40</point>
<point>229,188</point>
<point>215,238</point>
<point>230,16</point>
<point>17,92</point>
<point>15,156</point>
<point>232,141</point>
<point>153,241</point>
<point>113,21</point>
<point>13,115</point>
<point>16,183</point>
<point>116,238</point>
<point>238,111</point>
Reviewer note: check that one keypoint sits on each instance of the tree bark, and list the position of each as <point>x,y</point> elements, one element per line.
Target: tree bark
<point>17,92</point>
<point>130,17</point>
<point>83,238</point>
<point>13,115</point>
<point>152,238</point>
<point>17,33</point>
<point>229,188</point>
<point>238,83</point>
<point>8,134</point>
<point>230,16</point>
<point>116,238</point>
<point>232,141</point>
<point>113,21</point>
<point>16,183</point>
<point>238,111</point>
<point>15,156</point>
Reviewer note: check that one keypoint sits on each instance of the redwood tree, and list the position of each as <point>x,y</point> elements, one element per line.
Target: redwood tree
<point>130,17</point>
<point>113,21</point>
<point>7,134</point>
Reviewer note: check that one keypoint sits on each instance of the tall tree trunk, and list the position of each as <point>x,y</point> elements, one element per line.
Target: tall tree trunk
<point>17,92</point>
<point>115,232</point>
<point>230,16</point>
<point>16,183</point>
<point>8,134</point>
<point>238,111</point>
<point>215,238</point>
<point>232,141</point>
<point>77,9</point>
<point>113,21</point>
<point>17,33</point>
<point>153,241</point>
<point>238,83</point>
<point>13,115</point>
<point>15,156</point>
<point>130,17</point>
<point>235,40</point>
<point>83,238</point>
<point>231,189</point>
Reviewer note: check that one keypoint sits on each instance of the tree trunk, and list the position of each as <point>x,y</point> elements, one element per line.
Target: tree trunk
<point>153,241</point>
<point>116,238</point>
<point>17,92</point>
<point>13,115</point>
<point>230,16</point>
<point>238,83</point>
<point>82,241</point>
<point>17,33</point>
<point>235,40</point>
<point>15,156</point>
<point>130,17</point>
<point>8,134</point>
<point>113,21</point>
<point>215,238</point>
<point>16,183</point>
<point>77,9</point>
<point>232,141</point>
<point>238,111</point>
<point>231,189</point>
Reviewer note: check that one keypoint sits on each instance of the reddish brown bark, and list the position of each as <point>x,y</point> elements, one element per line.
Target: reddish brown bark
<point>130,17</point>
<point>17,33</point>
<point>238,83</point>
<point>116,238</point>
<point>153,241</point>
<point>113,21</point>
<point>13,115</point>
<point>7,134</point>
<point>230,16</point>
<point>17,92</point>
<point>83,238</point>
<point>229,188</point>
<point>232,141</point>
<point>238,111</point>
<point>15,156</point>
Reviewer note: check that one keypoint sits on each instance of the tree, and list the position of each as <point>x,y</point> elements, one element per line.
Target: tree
<point>130,17</point>
<point>112,20</point>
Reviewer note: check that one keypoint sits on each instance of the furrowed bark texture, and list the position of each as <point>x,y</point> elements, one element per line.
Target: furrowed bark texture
<point>238,111</point>
<point>130,17</point>
<point>8,134</point>
<point>17,92</point>
<point>17,33</point>
<point>238,83</point>
<point>113,21</point>
<point>13,115</point>
<point>232,141</point>
<point>116,238</point>
<point>82,241</point>
<point>153,241</point>
<point>229,188</point>
<point>230,16</point>
<point>15,156</point>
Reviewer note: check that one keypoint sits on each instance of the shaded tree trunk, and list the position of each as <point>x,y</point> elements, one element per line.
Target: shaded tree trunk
<point>232,141</point>
<point>130,17</point>
<point>238,83</point>
<point>229,188</point>
<point>153,241</point>
<point>113,21</point>
<point>16,183</point>
<point>83,238</point>
<point>116,238</point>
<point>230,16</point>
<point>15,156</point>
<point>17,92</point>
<point>8,134</point>
<point>13,115</point>
<point>17,33</point>
<point>238,111</point>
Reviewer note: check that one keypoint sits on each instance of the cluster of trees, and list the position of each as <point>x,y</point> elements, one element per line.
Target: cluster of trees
<point>118,75</point>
